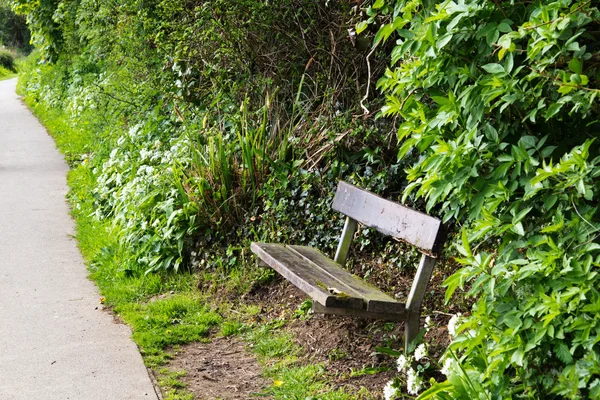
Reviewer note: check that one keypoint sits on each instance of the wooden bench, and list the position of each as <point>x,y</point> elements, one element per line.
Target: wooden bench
<point>333,289</point>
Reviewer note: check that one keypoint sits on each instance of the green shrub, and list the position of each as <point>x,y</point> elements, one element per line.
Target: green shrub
<point>499,100</point>
<point>7,60</point>
<point>183,140</point>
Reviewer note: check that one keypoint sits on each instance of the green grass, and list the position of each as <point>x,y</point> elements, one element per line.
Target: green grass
<point>6,74</point>
<point>166,309</point>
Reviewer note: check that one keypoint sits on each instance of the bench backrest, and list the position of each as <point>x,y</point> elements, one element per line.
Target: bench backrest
<point>419,229</point>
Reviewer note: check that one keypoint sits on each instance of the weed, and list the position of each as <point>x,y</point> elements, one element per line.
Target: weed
<point>337,354</point>
<point>304,309</point>
<point>231,328</point>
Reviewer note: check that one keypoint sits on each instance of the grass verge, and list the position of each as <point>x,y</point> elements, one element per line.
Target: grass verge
<point>6,74</point>
<point>165,310</point>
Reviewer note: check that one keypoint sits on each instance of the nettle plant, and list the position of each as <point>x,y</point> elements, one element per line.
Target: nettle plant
<point>499,99</point>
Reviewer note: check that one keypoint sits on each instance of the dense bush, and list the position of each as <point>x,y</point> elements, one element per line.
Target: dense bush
<point>499,99</point>
<point>199,115</point>
<point>7,60</point>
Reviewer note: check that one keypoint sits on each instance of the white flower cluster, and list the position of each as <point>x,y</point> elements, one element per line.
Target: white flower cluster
<point>428,323</point>
<point>414,383</point>
<point>79,100</point>
<point>402,363</point>
<point>420,352</point>
<point>453,324</point>
<point>389,391</point>
<point>447,365</point>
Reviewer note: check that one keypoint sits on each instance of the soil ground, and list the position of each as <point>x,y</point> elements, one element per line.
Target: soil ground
<point>346,347</point>
<point>222,369</point>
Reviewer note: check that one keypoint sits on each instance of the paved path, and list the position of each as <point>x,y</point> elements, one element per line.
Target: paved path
<point>54,342</point>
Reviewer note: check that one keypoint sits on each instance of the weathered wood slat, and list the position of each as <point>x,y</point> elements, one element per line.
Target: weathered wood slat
<point>348,312</point>
<point>414,227</point>
<point>375,299</point>
<point>312,281</point>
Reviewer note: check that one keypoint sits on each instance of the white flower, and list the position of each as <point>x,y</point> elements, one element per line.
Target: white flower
<point>413,382</point>
<point>420,352</point>
<point>453,324</point>
<point>447,364</point>
<point>402,363</point>
<point>389,391</point>
<point>428,323</point>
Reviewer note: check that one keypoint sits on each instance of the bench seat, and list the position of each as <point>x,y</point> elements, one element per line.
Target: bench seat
<point>335,289</point>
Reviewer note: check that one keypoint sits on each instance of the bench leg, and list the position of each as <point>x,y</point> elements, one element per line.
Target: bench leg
<point>411,327</point>
<point>415,298</point>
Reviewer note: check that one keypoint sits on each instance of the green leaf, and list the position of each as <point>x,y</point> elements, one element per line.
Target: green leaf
<point>553,110</point>
<point>388,351</point>
<point>465,242</point>
<point>435,390</point>
<point>566,89</point>
<point>494,68</point>
<point>451,284</point>
<point>550,201</point>
<point>378,4</point>
<point>562,352</point>
<point>518,229</point>
<point>576,66</point>
<point>361,26</point>
<point>504,27</point>
<point>554,228</point>
<point>546,151</point>
<point>517,357</point>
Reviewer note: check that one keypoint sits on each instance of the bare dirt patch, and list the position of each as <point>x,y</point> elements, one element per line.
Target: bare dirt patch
<point>346,347</point>
<point>221,369</point>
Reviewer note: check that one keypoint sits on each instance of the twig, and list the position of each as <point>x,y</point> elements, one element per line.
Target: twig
<point>558,81</point>
<point>365,109</point>
<point>444,313</point>
<point>556,19</point>
<point>584,220</point>
<point>406,98</point>
<point>589,241</point>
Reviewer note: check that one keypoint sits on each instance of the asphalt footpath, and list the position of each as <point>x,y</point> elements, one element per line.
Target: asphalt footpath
<point>56,342</point>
